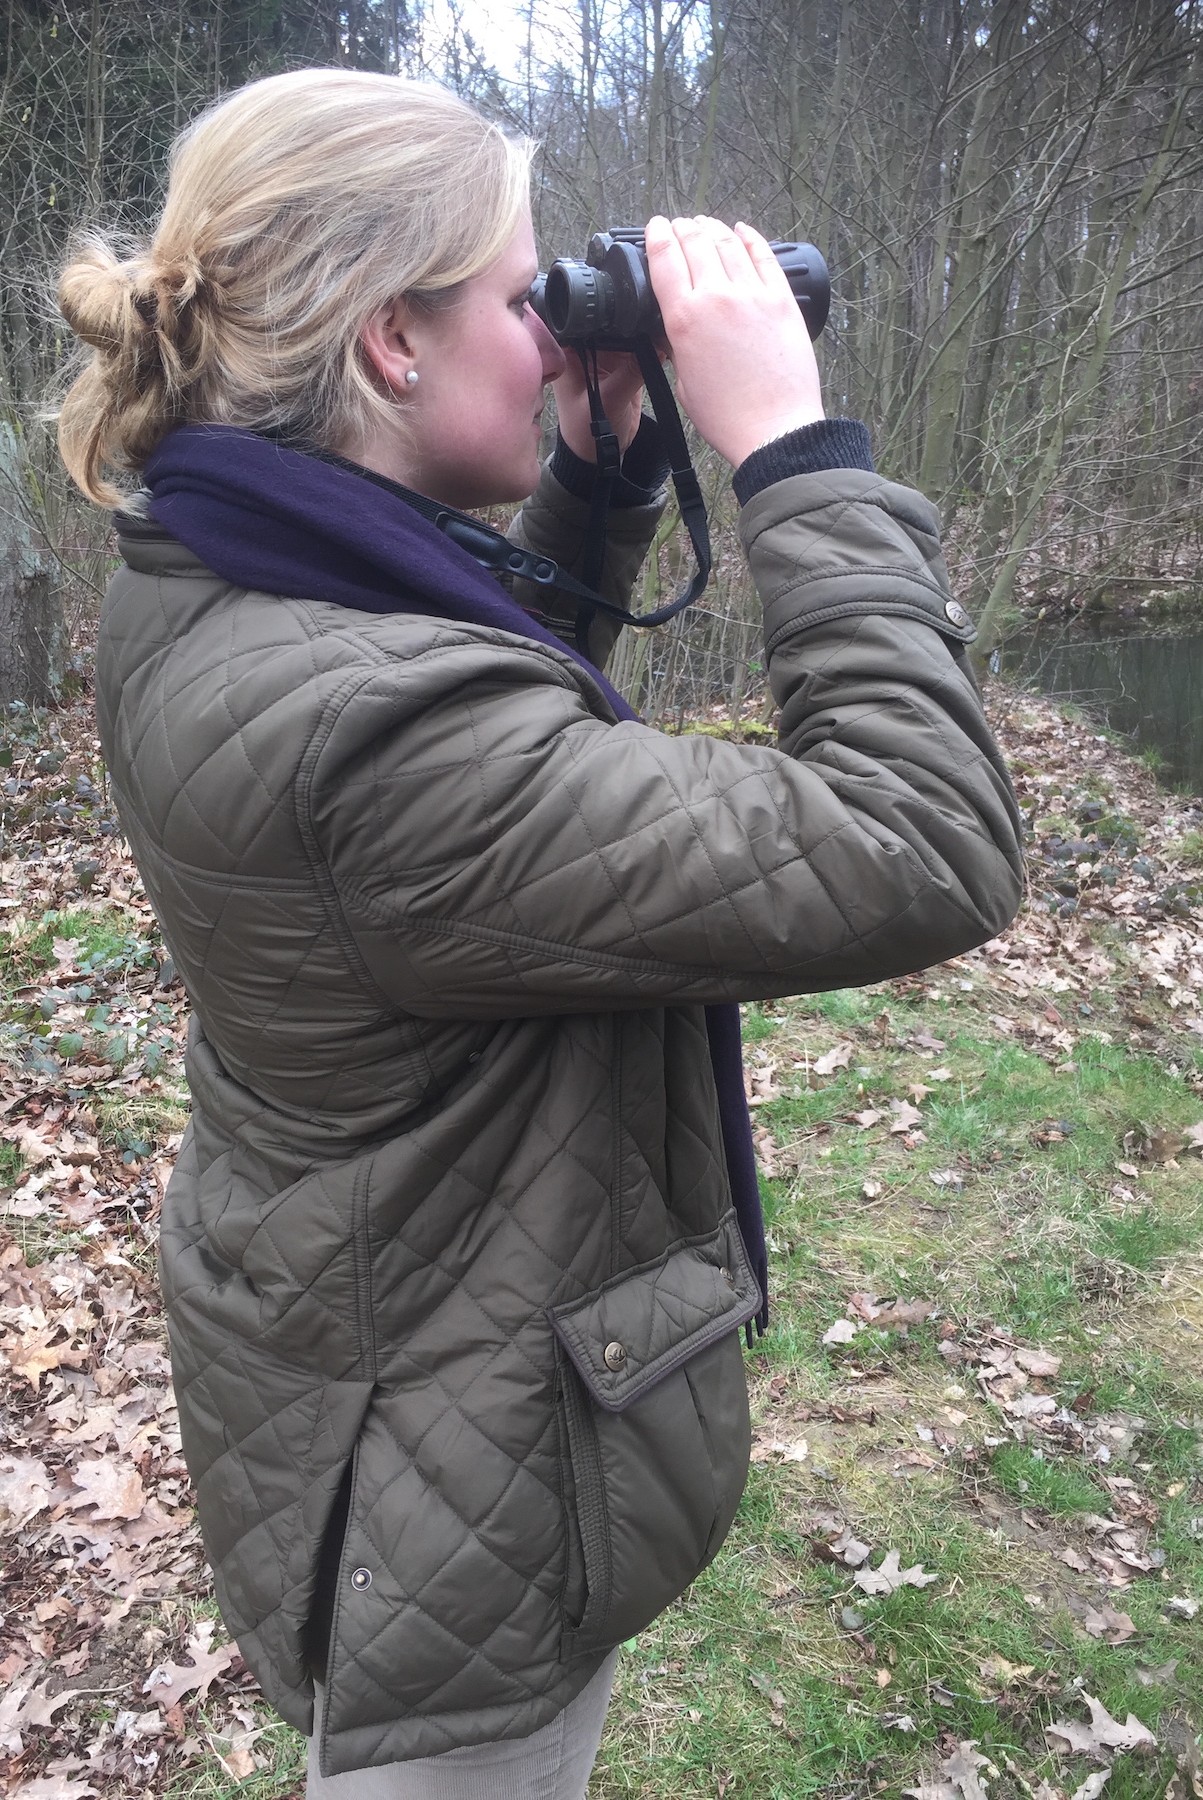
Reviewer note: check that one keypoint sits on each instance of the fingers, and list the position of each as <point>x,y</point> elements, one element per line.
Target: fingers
<point>761,254</point>
<point>745,365</point>
<point>701,249</point>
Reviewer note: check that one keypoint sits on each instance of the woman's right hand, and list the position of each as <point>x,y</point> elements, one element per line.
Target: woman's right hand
<point>746,370</point>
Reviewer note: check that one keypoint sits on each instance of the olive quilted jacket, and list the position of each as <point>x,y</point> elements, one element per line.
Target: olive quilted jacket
<point>452,1278</point>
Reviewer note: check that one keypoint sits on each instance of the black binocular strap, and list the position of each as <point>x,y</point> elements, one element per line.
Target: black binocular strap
<point>495,552</point>
<point>684,479</point>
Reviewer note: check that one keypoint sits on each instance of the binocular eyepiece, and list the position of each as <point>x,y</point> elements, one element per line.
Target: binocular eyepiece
<point>608,302</point>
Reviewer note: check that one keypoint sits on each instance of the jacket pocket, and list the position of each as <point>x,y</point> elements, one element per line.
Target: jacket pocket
<point>655,1411</point>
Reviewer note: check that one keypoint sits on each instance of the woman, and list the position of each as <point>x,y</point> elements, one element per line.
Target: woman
<point>451,1255</point>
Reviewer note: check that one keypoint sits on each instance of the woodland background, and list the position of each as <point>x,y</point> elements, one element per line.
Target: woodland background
<point>1008,196</point>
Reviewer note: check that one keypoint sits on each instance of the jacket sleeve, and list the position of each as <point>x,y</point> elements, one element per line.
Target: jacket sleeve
<point>500,846</point>
<point>553,523</point>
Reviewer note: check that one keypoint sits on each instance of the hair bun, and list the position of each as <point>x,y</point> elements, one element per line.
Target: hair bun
<point>170,285</point>
<point>98,296</point>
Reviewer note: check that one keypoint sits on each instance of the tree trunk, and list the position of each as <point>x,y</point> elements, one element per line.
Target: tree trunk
<point>31,623</point>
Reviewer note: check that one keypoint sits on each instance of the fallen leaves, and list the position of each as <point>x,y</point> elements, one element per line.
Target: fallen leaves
<point>774,1449</point>
<point>842,1331</point>
<point>25,1490</point>
<point>961,1774</point>
<point>890,1576</point>
<point>884,1313</point>
<point>838,1057</point>
<point>112,1490</point>
<point>170,1682</point>
<point>1103,1733</point>
<point>1105,1623</point>
<point>842,1547</point>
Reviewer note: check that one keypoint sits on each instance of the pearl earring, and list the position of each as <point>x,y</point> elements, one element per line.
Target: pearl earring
<point>411,378</point>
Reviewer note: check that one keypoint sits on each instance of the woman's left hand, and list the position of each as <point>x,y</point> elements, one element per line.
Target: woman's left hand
<point>622,395</point>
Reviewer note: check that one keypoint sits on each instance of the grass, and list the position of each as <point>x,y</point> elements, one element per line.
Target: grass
<point>103,937</point>
<point>754,1685</point>
<point>1056,1486</point>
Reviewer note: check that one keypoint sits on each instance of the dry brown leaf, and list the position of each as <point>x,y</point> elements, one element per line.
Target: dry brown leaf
<point>997,1668</point>
<point>11,1742</point>
<point>842,1331</point>
<point>962,1769</point>
<point>836,1058</point>
<point>39,1707</point>
<point>850,1550</point>
<point>1119,1566</point>
<point>32,1144</point>
<point>889,1577</point>
<point>1105,1623</point>
<point>1101,1735</point>
<point>168,1683</point>
<point>1039,1363</point>
<point>903,1313</point>
<point>1159,1676</point>
<point>760,1084</point>
<point>25,1489</point>
<point>52,1787</point>
<point>766,1152</point>
<point>905,1115</point>
<point>237,1763</point>
<point>35,1355</point>
<point>962,1776</point>
<point>780,1449</point>
<point>1029,1406</point>
<point>115,1491</point>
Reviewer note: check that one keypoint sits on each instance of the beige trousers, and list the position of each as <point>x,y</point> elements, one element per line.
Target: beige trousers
<point>553,1764</point>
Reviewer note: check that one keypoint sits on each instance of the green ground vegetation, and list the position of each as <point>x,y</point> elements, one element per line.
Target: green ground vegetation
<point>1005,1208</point>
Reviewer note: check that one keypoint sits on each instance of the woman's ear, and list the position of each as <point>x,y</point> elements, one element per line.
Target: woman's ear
<point>387,344</point>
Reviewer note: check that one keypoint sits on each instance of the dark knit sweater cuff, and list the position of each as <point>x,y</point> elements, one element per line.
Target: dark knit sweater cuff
<point>827,444</point>
<point>643,472</point>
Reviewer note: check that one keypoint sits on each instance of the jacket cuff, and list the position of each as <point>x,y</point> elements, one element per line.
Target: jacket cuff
<point>644,469</point>
<point>827,444</point>
<point>843,543</point>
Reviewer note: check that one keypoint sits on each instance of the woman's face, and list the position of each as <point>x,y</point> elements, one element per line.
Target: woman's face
<point>474,413</point>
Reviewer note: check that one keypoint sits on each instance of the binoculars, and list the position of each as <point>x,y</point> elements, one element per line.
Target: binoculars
<point>607,300</point>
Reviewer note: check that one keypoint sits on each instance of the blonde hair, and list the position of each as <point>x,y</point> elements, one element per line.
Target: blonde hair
<point>295,209</point>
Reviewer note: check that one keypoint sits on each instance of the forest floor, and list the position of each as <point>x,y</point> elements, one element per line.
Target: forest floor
<point>969,1563</point>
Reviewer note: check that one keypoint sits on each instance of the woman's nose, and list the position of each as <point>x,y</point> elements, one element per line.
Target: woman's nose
<point>553,356</point>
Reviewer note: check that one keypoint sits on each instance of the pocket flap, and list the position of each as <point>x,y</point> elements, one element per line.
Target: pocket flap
<point>639,1327</point>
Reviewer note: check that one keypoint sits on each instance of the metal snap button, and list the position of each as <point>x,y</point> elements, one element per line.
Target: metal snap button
<point>728,1277</point>
<point>362,1578</point>
<point>955,613</point>
<point>615,1355</point>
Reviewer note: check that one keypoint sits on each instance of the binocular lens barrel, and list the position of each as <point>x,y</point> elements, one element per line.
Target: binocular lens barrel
<point>574,302</point>
<point>608,298</point>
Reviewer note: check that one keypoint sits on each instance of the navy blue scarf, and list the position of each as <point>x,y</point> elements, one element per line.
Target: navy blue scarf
<point>280,522</point>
